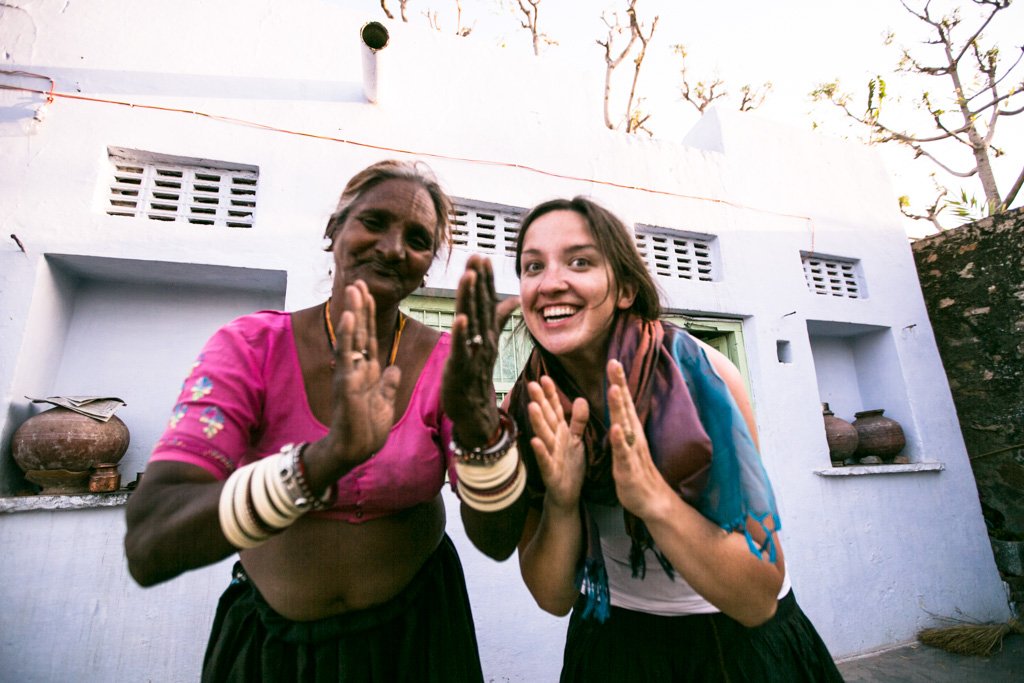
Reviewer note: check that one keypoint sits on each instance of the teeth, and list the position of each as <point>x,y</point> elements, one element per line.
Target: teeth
<point>558,311</point>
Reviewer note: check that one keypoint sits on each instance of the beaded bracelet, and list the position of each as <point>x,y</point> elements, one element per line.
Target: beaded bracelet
<point>299,464</point>
<point>489,454</point>
<point>486,478</point>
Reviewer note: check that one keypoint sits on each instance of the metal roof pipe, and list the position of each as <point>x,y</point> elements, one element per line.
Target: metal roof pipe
<point>374,37</point>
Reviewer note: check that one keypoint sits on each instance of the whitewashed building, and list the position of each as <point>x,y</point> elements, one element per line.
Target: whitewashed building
<point>183,174</point>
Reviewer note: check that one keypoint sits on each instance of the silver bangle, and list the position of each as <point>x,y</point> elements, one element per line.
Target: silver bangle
<point>287,475</point>
<point>291,471</point>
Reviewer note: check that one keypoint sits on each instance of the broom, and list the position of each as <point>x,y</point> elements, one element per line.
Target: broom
<point>970,639</point>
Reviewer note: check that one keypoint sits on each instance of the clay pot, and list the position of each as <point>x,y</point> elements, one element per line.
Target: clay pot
<point>58,448</point>
<point>841,436</point>
<point>878,436</point>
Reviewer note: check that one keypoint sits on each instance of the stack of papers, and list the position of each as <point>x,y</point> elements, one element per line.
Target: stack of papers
<point>100,408</point>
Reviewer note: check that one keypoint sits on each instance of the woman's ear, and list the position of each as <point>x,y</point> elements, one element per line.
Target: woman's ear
<point>627,294</point>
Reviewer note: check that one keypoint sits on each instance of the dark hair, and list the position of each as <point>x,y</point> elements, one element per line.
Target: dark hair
<point>392,169</point>
<point>616,244</point>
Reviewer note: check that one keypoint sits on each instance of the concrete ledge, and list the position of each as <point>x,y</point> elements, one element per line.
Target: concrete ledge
<point>858,470</point>
<point>66,502</point>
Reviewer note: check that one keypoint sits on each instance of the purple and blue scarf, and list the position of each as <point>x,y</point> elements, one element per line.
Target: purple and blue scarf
<point>698,440</point>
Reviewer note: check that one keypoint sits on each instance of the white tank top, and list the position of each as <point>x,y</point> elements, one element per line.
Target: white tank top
<point>656,593</point>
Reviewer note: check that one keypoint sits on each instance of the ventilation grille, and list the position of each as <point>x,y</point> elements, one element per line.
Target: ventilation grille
<point>682,256</point>
<point>832,276</point>
<point>164,188</point>
<point>485,228</point>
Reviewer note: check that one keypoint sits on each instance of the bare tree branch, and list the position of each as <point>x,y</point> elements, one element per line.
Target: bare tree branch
<point>612,62</point>
<point>1012,194</point>
<point>401,9</point>
<point>931,213</point>
<point>704,93</point>
<point>435,22</point>
<point>531,14</point>
<point>632,123</point>
<point>976,114</point>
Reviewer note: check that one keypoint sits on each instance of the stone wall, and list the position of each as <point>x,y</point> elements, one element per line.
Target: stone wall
<point>972,278</point>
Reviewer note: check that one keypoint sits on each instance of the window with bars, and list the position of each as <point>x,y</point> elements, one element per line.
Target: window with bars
<point>485,228</point>
<point>830,276</point>
<point>162,187</point>
<point>514,346</point>
<point>685,256</point>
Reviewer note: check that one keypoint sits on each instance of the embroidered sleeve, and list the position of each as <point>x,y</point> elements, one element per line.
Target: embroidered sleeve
<point>218,408</point>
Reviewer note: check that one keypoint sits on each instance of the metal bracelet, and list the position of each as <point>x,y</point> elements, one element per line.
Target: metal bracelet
<point>292,470</point>
<point>289,476</point>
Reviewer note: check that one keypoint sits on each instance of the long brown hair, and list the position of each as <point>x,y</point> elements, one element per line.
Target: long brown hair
<point>615,242</point>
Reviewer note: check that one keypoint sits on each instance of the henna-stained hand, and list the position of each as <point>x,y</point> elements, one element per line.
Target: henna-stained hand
<point>468,392</point>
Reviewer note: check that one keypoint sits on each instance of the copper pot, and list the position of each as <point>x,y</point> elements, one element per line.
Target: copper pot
<point>104,478</point>
<point>58,448</point>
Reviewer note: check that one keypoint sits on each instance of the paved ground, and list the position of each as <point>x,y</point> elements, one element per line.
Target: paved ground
<point>923,664</point>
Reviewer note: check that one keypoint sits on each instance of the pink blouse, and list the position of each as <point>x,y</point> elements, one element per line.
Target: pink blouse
<point>244,399</point>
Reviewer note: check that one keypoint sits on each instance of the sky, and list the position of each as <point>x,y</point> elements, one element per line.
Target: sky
<point>794,44</point>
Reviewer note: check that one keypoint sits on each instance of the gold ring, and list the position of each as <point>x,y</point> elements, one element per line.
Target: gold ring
<point>630,438</point>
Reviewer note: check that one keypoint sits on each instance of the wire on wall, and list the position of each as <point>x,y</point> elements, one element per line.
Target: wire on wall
<point>51,94</point>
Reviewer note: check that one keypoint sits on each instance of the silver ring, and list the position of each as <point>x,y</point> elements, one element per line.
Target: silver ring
<point>356,356</point>
<point>630,438</point>
<point>475,341</point>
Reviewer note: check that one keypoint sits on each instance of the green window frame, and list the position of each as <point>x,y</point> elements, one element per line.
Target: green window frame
<point>514,345</point>
<point>723,334</point>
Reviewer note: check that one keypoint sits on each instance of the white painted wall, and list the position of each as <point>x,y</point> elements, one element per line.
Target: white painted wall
<point>872,558</point>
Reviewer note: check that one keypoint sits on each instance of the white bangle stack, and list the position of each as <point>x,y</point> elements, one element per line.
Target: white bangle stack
<point>489,488</point>
<point>491,477</point>
<point>266,497</point>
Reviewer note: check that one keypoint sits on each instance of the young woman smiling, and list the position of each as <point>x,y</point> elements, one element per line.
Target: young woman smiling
<point>649,513</point>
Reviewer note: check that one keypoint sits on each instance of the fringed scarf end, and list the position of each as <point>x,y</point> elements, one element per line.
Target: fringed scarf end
<point>769,540</point>
<point>594,582</point>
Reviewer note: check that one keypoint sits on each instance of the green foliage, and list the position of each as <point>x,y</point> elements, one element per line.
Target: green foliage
<point>830,92</point>
<point>969,208</point>
<point>876,87</point>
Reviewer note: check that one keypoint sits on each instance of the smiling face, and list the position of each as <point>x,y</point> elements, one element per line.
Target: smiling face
<point>568,293</point>
<point>387,240</point>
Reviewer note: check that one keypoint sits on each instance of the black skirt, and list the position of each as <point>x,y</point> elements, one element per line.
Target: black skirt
<point>425,633</point>
<point>639,647</point>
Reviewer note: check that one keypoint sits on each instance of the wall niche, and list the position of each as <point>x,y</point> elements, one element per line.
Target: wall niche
<point>857,369</point>
<point>127,328</point>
